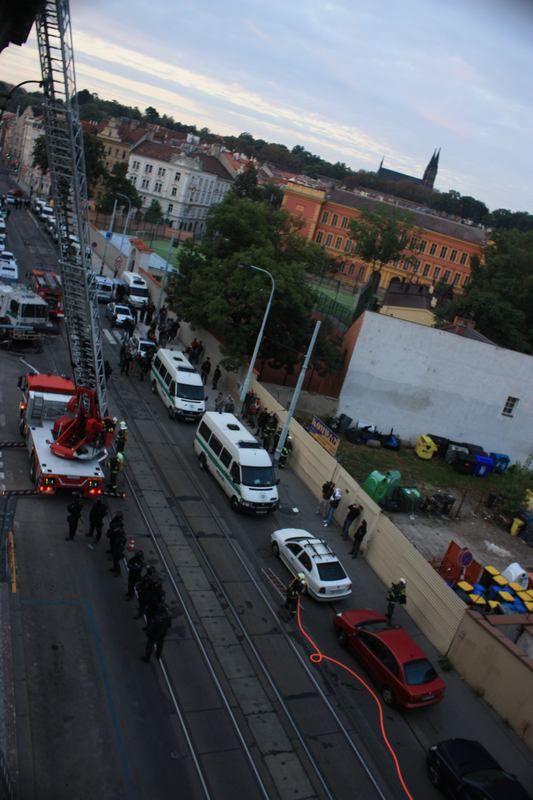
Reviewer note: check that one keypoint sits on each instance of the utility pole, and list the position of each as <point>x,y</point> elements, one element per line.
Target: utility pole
<point>296,394</point>
<point>107,238</point>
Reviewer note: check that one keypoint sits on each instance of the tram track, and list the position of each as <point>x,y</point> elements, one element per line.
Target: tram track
<point>311,762</point>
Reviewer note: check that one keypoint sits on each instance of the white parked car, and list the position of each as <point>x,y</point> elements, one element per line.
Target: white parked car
<point>301,551</point>
<point>118,313</point>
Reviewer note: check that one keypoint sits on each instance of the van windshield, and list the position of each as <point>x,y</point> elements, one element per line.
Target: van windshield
<point>138,291</point>
<point>257,476</point>
<point>188,392</point>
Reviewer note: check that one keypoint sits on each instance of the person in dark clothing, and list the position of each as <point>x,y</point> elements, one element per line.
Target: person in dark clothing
<point>150,594</point>
<point>118,545</point>
<point>358,539</point>
<point>150,308</point>
<point>229,405</point>
<point>156,629</point>
<point>294,590</point>
<point>205,369</point>
<point>122,436</point>
<point>135,571</point>
<point>97,515</point>
<point>74,513</point>
<point>262,420</point>
<point>115,465</point>
<point>396,594</point>
<point>142,312</point>
<point>162,318</point>
<point>108,370</point>
<point>173,329</point>
<point>216,376</point>
<point>354,511</point>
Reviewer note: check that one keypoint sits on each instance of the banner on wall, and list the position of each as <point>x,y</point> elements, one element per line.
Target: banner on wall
<point>323,435</point>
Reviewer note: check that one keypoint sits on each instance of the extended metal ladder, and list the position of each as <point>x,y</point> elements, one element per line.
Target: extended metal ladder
<point>67,169</point>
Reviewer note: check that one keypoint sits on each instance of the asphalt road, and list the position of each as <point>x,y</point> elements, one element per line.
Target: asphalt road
<point>94,721</point>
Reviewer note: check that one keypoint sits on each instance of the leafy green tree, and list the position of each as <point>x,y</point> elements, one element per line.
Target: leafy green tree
<point>154,213</point>
<point>94,158</point>
<point>245,184</point>
<point>151,115</point>
<point>213,290</point>
<point>117,183</point>
<point>499,295</point>
<point>382,235</point>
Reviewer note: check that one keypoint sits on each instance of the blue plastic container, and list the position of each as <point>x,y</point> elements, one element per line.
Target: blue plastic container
<point>483,466</point>
<point>501,462</point>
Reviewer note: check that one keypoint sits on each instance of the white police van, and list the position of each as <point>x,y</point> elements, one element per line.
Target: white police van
<point>238,461</point>
<point>178,384</point>
<point>136,289</point>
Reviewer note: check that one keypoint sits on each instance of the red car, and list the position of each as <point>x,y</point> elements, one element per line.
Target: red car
<point>395,662</point>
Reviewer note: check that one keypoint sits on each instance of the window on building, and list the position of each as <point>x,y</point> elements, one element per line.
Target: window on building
<point>157,187</point>
<point>161,172</point>
<point>148,168</point>
<point>413,244</point>
<point>170,208</point>
<point>133,180</point>
<point>177,176</point>
<point>116,152</point>
<point>361,274</point>
<point>338,242</point>
<point>416,265</point>
<point>432,249</point>
<point>325,216</point>
<point>443,251</point>
<point>109,151</point>
<point>456,279</point>
<point>427,267</point>
<point>347,246</point>
<point>145,184</point>
<point>174,191</point>
<point>405,264</point>
<point>136,165</point>
<point>510,406</point>
<point>423,245</point>
<point>436,273</point>
<point>446,276</point>
<point>351,269</point>
<point>334,220</point>
<point>464,258</point>
<point>344,223</point>
<point>329,239</point>
<point>319,237</point>
<point>453,255</point>
<point>466,280</point>
<point>123,155</point>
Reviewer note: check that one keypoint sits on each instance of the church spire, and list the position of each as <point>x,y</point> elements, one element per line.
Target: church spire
<point>430,172</point>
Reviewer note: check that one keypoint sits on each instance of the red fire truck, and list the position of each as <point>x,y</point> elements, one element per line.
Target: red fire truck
<point>47,284</point>
<point>44,409</point>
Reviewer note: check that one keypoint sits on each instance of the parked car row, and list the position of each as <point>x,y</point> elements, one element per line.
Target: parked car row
<point>45,215</point>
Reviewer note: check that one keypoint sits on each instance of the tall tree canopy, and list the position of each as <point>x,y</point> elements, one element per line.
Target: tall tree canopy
<point>499,297</point>
<point>382,235</point>
<point>117,184</point>
<point>94,158</point>
<point>215,291</point>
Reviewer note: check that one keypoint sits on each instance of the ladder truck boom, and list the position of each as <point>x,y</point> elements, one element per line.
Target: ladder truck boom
<point>76,434</point>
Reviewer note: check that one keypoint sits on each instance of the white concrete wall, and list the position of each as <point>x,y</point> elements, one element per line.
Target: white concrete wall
<point>422,380</point>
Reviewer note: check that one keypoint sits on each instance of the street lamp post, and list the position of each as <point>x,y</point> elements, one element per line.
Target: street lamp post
<point>125,196</point>
<point>246,384</point>
<point>108,236</point>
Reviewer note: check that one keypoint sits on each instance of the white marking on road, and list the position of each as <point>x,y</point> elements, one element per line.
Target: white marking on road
<point>109,337</point>
<point>2,476</point>
<point>118,336</point>
<point>2,418</point>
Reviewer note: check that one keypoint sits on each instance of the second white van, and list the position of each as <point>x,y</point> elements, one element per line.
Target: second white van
<point>238,461</point>
<point>136,289</point>
<point>178,384</point>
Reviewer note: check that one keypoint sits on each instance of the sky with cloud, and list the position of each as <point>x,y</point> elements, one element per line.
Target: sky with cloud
<point>350,80</point>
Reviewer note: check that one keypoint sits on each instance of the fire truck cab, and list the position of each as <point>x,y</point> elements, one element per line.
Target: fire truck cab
<point>47,285</point>
<point>45,400</point>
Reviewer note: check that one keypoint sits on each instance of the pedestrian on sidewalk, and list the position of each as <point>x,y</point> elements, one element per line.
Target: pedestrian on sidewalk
<point>97,515</point>
<point>354,511</point>
<point>205,369</point>
<point>216,376</point>
<point>229,405</point>
<point>333,503</point>
<point>396,594</point>
<point>358,539</point>
<point>219,402</point>
<point>327,490</point>
<point>74,513</point>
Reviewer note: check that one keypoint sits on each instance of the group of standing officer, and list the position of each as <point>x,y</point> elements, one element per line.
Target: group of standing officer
<point>142,579</point>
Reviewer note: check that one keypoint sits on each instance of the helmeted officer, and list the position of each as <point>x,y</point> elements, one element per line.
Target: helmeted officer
<point>122,436</point>
<point>156,629</point>
<point>115,465</point>
<point>396,594</point>
<point>135,572</point>
<point>294,590</point>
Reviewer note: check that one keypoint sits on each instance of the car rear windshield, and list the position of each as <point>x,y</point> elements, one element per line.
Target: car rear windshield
<point>331,571</point>
<point>257,476</point>
<point>419,672</point>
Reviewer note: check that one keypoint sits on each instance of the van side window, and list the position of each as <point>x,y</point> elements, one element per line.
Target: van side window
<point>172,389</point>
<point>168,378</point>
<point>163,372</point>
<point>215,445</point>
<point>225,457</point>
<point>235,472</point>
<point>157,363</point>
<point>204,431</point>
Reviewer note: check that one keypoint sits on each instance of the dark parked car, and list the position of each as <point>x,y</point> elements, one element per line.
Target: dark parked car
<point>463,770</point>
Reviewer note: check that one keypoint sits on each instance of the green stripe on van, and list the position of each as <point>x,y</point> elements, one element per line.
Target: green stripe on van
<point>218,463</point>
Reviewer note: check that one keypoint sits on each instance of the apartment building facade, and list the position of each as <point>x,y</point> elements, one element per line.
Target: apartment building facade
<point>186,184</point>
<point>442,252</point>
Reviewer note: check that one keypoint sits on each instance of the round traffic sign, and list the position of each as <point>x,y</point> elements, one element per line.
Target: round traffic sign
<point>465,557</point>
